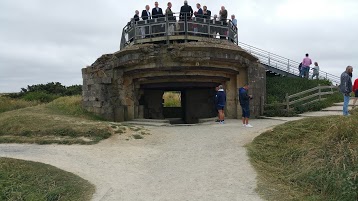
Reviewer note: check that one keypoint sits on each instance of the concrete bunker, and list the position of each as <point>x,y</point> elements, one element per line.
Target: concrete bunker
<point>129,84</point>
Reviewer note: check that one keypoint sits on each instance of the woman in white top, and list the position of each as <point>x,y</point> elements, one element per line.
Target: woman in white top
<point>315,70</point>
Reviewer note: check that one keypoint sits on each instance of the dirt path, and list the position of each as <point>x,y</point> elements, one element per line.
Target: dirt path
<point>203,162</point>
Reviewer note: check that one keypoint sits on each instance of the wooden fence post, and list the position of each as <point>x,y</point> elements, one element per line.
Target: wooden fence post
<point>287,103</point>
<point>319,92</point>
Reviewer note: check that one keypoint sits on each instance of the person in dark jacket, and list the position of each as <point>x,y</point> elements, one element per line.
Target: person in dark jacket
<point>346,88</point>
<point>187,11</point>
<point>156,11</point>
<point>206,12</point>
<point>220,103</point>
<point>244,99</point>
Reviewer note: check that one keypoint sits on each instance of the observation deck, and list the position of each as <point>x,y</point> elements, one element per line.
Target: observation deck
<point>179,27</point>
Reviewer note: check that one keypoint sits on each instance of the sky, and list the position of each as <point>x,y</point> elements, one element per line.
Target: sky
<point>45,41</point>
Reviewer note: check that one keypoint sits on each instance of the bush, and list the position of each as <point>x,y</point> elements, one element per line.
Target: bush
<point>53,88</point>
<point>40,96</point>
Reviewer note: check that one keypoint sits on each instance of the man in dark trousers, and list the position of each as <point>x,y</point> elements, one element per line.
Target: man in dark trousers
<point>220,103</point>
<point>244,99</point>
<point>145,16</point>
<point>346,88</point>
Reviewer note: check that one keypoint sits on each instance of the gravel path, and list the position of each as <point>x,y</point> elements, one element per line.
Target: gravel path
<point>202,162</point>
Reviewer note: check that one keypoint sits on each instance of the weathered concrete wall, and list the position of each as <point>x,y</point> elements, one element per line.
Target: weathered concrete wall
<point>115,83</point>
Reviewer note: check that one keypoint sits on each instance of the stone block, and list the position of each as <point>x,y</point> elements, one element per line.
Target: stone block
<point>97,104</point>
<point>106,80</point>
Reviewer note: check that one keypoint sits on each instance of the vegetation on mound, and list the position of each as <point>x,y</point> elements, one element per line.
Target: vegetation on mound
<point>62,121</point>
<point>278,87</point>
<point>25,180</point>
<point>8,104</point>
<point>310,159</point>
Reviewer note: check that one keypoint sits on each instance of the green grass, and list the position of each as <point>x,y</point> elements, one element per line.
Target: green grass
<point>25,180</point>
<point>311,159</point>
<point>8,104</point>
<point>62,121</point>
<point>277,87</point>
<point>172,99</point>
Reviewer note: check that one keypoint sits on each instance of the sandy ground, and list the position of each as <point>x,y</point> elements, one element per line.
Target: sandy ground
<point>202,162</point>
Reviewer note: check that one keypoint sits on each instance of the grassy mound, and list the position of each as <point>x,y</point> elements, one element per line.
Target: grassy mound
<point>310,159</point>
<point>8,104</point>
<point>62,121</point>
<point>24,180</point>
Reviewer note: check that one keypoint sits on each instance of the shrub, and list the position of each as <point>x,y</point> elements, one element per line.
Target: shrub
<point>40,96</point>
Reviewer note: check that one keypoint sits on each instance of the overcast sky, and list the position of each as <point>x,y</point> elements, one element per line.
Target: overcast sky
<point>46,40</point>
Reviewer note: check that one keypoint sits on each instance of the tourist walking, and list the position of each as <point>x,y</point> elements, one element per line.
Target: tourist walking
<point>244,99</point>
<point>220,103</point>
<point>355,91</point>
<point>346,88</point>
<point>306,63</point>
<point>315,71</point>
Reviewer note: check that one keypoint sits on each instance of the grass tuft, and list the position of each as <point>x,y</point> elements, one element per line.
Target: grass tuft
<point>137,136</point>
<point>310,159</point>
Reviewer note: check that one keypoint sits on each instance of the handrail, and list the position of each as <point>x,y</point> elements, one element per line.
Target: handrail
<point>180,25</point>
<point>284,64</point>
<point>309,96</point>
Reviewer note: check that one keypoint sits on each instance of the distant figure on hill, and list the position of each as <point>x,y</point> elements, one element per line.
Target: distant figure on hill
<point>300,69</point>
<point>244,99</point>
<point>220,103</point>
<point>346,88</point>
<point>355,91</point>
<point>315,71</point>
<point>306,63</point>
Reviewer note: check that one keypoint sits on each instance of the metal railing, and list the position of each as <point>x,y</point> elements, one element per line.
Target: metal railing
<point>284,64</point>
<point>178,26</point>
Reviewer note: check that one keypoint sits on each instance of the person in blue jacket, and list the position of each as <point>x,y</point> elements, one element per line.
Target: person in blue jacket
<point>244,99</point>
<point>220,103</point>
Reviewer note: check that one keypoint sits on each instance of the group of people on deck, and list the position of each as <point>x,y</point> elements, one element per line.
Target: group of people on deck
<point>186,14</point>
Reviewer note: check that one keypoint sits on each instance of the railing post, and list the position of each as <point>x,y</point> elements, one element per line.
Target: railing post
<point>269,59</point>
<point>209,35</point>
<point>186,27</point>
<point>167,27</point>
<point>287,103</point>
<point>319,92</point>
<point>288,66</point>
